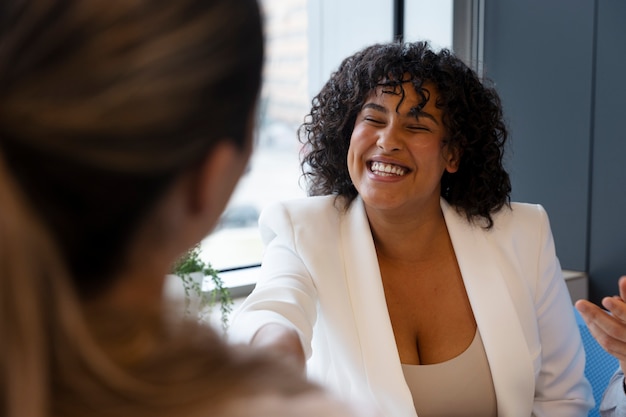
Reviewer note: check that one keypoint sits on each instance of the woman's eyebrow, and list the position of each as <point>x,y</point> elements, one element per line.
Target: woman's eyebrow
<point>415,112</point>
<point>374,106</point>
<point>426,115</point>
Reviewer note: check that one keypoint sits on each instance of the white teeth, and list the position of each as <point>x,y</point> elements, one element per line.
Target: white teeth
<point>380,168</point>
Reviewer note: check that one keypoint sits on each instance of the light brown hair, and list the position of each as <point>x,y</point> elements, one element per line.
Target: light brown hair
<point>102,104</point>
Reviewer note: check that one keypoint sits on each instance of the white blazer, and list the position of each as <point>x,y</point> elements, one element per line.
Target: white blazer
<point>320,275</point>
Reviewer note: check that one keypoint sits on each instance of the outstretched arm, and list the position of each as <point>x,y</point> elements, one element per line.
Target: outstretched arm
<point>282,340</point>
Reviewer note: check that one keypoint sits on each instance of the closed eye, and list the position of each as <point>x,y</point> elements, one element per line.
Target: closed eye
<point>373,120</point>
<point>418,128</point>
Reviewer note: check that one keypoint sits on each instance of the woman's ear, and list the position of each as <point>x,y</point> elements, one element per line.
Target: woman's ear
<point>453,158</point>
<point>214,181</point>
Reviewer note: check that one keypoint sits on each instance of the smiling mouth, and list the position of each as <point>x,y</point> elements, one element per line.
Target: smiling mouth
<point>387,170</point>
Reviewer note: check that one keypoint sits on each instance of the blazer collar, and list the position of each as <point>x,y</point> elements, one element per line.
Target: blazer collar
<point>491,302</point>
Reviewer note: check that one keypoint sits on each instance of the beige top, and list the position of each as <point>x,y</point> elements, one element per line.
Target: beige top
<point>460,387</point>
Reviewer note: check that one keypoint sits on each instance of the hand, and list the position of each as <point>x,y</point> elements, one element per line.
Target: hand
<point>608,329</point>
<point>283,341</point>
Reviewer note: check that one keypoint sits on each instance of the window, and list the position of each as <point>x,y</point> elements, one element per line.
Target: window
<point>273,172</point>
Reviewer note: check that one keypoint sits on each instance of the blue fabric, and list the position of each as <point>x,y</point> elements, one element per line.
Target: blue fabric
<point>599,366</point>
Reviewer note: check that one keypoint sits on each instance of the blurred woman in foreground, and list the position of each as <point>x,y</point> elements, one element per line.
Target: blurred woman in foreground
<point>124,127</point>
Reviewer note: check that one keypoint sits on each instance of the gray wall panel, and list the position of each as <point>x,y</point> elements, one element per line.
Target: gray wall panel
<point>607,253</point>
<point>539,54</point>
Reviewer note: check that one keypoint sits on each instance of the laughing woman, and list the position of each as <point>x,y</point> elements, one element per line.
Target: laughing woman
<point>408,277</point>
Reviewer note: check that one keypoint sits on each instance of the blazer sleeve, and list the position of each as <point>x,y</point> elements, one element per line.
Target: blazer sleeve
<point>614,400</point>
<point>561,387</point>
<point>285,292</point>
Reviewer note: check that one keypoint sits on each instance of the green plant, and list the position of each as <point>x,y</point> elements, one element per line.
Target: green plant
<point>188,267</point>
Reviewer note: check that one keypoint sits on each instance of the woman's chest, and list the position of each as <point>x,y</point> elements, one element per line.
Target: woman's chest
<point>429,309</point>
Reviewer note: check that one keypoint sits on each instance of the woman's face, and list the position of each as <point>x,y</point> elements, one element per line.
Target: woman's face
<point>397,154</point>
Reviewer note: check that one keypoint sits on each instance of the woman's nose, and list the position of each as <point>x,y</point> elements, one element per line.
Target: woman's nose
<point>388,141</point>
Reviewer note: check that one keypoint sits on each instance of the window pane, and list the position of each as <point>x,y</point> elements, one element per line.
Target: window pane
<point>429,20</point>
<point>274,170</point>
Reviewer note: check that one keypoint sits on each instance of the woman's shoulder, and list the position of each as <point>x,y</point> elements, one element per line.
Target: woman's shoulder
<point>525,221</point>
<point>309,203</point>
<point>513,215</point>
<point>520,213</point>
<point>310,216</point>
<point>305,208</point>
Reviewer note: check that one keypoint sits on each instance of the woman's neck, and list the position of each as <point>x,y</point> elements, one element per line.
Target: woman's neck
<point>140,290</point>
<point>408,238</point>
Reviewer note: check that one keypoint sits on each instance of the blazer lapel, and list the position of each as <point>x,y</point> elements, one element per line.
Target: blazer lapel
<point>492,304</point>
<point>495,314</point>
<point>378,347</point>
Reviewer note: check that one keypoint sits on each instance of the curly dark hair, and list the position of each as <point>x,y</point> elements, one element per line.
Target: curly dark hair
<point>472,115</point>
